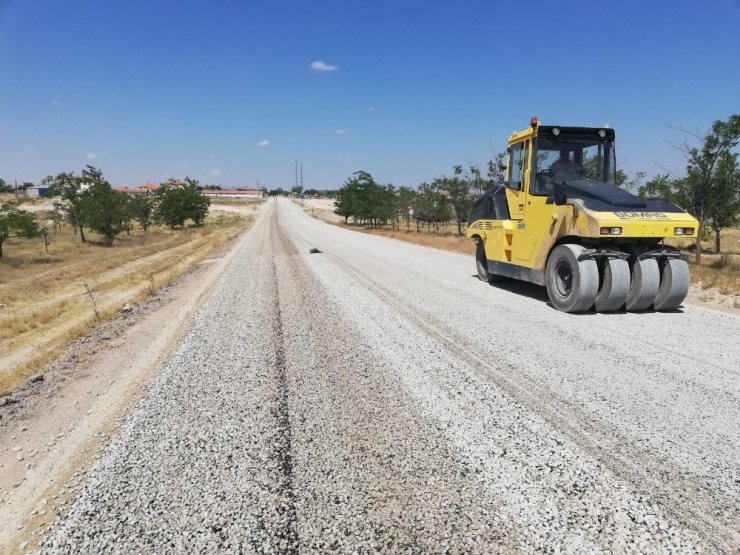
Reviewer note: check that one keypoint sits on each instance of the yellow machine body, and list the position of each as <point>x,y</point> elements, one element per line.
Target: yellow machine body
<point>526,221</point>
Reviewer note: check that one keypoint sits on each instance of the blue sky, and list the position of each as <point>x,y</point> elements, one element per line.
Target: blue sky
<point>150,90</point>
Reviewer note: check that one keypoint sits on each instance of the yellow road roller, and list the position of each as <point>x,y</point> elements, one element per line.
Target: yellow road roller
<point>559,220</point>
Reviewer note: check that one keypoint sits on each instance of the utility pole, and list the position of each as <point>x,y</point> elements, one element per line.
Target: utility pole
<point>296,172</point>
<point>301,176</point>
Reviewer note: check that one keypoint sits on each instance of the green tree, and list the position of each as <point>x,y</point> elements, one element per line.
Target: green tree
<point>15,222</point>
<point>179,203</point>
<point>346,199</point>
<point>197,203</point>
<point>405,201</point>
<point>663,185</point>
<point>142,209</point>
<point>72,190</point>
<point>711,185</point>
<point>723,206</point>
<point>431,207</point>
<point>496,170</point>
<point>106,210</point>
<point>458,192</point>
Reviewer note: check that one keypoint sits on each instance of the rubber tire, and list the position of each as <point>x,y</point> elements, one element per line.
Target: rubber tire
<point>674,284</point>
<point>585,279</point>
<point>615,286</point>
<point>481,263</point>
<point>644,286</point>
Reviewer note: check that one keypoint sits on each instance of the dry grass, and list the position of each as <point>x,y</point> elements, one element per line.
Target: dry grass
<point>44,298</point>
<point>721,272</point>
<point>723,276</point>
<point>445,238</point>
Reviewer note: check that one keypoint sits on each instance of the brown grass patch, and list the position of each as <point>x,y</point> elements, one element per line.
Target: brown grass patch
<point>444,239</point>
<point>44,298</point>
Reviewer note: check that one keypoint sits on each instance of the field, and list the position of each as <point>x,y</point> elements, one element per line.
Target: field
<point>48,299</point>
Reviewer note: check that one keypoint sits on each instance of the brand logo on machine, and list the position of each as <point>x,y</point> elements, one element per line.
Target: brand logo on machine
<point>641,215</point>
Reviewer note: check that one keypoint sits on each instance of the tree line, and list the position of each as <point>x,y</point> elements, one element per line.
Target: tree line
<point>87,201</point>
<point>429,205</point>
<point>709,189</point>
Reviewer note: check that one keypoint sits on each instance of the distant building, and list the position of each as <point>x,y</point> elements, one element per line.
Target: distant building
<point>37,191</point>
<point>145,189</point>
<point>247,192</point>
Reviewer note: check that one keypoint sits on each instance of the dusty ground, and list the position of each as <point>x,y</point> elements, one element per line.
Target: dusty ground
<point>51,428</point>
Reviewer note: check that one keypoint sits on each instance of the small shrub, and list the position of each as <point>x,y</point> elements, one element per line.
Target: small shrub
<point>725,262</point>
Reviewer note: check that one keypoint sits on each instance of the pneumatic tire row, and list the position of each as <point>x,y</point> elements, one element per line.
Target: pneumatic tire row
<point>575,285</point>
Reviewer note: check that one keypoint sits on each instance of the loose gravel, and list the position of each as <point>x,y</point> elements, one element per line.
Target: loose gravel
<point>375,397</point>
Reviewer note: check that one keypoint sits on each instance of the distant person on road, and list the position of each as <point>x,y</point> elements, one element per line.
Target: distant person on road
<point>565,165</point>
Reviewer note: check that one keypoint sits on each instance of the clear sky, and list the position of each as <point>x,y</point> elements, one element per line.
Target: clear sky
<point>232,92</point>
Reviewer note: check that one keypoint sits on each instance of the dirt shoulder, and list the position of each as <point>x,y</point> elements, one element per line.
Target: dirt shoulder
<point>51,428</point>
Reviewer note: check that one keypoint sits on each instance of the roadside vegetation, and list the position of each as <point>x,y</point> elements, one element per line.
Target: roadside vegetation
<point>77,258</point>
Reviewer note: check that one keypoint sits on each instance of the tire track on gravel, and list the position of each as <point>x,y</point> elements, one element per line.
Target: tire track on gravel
<point>282,414</point>
<point>372,474</point>
<point>687,500</point>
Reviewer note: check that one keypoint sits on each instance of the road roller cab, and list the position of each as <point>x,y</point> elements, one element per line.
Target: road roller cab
<point>559,220</point>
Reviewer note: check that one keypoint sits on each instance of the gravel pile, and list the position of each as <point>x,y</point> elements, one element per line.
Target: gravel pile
<point>374,397</point>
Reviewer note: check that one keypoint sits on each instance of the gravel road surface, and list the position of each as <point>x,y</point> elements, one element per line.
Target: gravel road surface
<point>376,397</point>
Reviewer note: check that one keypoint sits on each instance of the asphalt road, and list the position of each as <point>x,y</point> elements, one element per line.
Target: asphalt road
<point>377,397</point>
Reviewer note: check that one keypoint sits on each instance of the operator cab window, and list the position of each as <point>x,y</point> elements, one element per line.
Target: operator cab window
<point>568,159</point>
<point>515,176</point>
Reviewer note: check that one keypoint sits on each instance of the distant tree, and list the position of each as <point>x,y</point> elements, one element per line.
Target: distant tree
<point>405,202</point>
<point>431,207</point>
<point>496,169</point>
<point>663,185</point>
<point>723,205</point>
<point>106,210</point>
<point>53,184</point>
<point>278,192</point>
<point>297,189</point>
<point>57,217</point>
<point>142,209</point>
<point>72,190</point>
<point>366,201</point>
<point>15,222</point>
<point>458,191</point>
<point>182,203</point>
<point>4,188</point>
<point>631,184</point>
<point>346,202</point>
<point>197,203</point>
